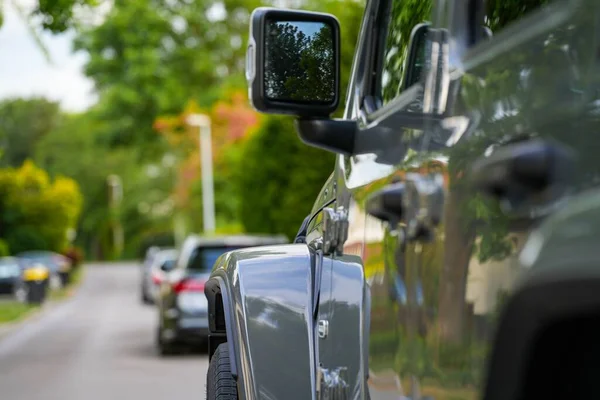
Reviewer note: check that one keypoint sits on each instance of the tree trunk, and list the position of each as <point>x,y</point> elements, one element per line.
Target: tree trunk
<point>458,248</point>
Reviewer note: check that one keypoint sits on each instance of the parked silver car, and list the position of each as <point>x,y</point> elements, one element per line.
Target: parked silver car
<point>163,261</point>
<point>145,279</point>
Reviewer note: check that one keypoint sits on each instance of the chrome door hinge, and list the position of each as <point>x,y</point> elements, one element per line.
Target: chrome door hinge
<point>335,230</point>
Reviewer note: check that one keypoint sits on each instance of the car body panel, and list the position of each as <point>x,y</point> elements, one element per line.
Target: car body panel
<point>183,317</point>
<point>268,290</point>
<point>434,303</point>
<point>154,271</point>
<point>345,325</point>
<point>428,305</point>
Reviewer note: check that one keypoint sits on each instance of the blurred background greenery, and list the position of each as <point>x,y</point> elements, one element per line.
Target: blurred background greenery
<point>153,62</point>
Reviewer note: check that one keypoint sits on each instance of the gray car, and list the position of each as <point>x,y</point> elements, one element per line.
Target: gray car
<point>162,262</point>
<point>453,253</point>
<point>182,305</point>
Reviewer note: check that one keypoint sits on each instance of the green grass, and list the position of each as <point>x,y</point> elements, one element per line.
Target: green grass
<point>11,311</point>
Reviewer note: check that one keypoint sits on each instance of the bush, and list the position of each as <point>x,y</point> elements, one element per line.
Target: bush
<point>4,249</point>
<point>75,254</point>
<point>24,238</point>
<point>278,178</point>
<point>36,213</point>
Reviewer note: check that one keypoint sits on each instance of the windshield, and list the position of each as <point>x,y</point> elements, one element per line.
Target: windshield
<point>203,258</point>
<point>9,267</point>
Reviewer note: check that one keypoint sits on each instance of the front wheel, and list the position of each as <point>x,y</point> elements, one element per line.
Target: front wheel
<point>220,384</point>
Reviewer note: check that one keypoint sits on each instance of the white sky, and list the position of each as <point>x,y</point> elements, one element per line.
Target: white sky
<point>24,72</point>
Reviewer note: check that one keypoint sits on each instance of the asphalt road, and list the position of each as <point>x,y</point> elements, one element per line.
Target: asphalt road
<point>97,345</point>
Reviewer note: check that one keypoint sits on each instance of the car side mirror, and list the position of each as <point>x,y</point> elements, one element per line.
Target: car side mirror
<point>167,265</point>
<point>417,54</point>
<point>293,62</point>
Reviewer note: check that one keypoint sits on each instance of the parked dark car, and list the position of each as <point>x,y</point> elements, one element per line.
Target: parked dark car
<point>453,253</point>
<point>10,273</point>
<point>58,265</point>
<point>182,305</point>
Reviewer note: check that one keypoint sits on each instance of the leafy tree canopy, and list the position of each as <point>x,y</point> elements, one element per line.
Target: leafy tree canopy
<point>35,211</point>
<point>22,123</point>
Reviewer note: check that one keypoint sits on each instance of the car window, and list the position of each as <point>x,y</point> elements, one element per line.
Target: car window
<point>203,258</point>
<point>9,266</point>
<point>403,17</point>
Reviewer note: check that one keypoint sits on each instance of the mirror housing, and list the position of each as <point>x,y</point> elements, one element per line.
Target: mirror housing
<point>293,62</point>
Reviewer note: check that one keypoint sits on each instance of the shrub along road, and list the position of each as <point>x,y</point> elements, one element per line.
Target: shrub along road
<point>97,345</point>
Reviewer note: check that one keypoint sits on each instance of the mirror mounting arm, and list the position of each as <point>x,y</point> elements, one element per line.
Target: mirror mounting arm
<point>335,135</point>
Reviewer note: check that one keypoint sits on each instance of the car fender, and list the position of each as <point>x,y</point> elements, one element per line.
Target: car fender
<point>259,302</point>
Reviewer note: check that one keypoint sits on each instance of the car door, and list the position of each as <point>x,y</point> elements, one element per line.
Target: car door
<point>438,256</point>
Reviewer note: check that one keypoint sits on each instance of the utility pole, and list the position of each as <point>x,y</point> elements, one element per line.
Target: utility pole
<point>202,122</point>
<point>115,197</point>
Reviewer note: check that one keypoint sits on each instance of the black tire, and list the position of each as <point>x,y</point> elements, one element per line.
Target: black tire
<point>145,298</point>
<point>220,384</point>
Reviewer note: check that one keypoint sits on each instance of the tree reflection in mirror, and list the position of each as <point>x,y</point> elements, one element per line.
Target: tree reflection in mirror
<point>299,62</point>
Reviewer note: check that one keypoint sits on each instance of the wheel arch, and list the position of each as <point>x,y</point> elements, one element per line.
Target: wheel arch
<point>260,303</point>
<point>219,319</point>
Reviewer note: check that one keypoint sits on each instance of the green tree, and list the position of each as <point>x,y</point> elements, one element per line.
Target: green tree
<point>54,16</point>
<point>315,79</point>
<point>285,44</point>
<point>278,178</point>
<point>22,123</point>
<point>48,15</point>
<point>184,51</point>
<point>36,212</point>
<point>74,149</point>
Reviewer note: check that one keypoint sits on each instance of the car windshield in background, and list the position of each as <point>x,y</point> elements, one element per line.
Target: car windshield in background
<point>9,267</point>
<point>203,258</point>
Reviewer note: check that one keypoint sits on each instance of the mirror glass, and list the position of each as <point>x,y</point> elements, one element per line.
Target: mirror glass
<point>168,265</point>
<point>299,62</point>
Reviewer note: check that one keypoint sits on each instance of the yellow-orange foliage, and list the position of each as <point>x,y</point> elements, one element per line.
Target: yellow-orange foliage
<point>232,119</point>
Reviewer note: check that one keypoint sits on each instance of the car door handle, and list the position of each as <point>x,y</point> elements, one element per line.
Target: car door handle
<point>520,170</point>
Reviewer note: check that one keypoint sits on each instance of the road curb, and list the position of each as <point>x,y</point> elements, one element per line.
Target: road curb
<point>10,327</point>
